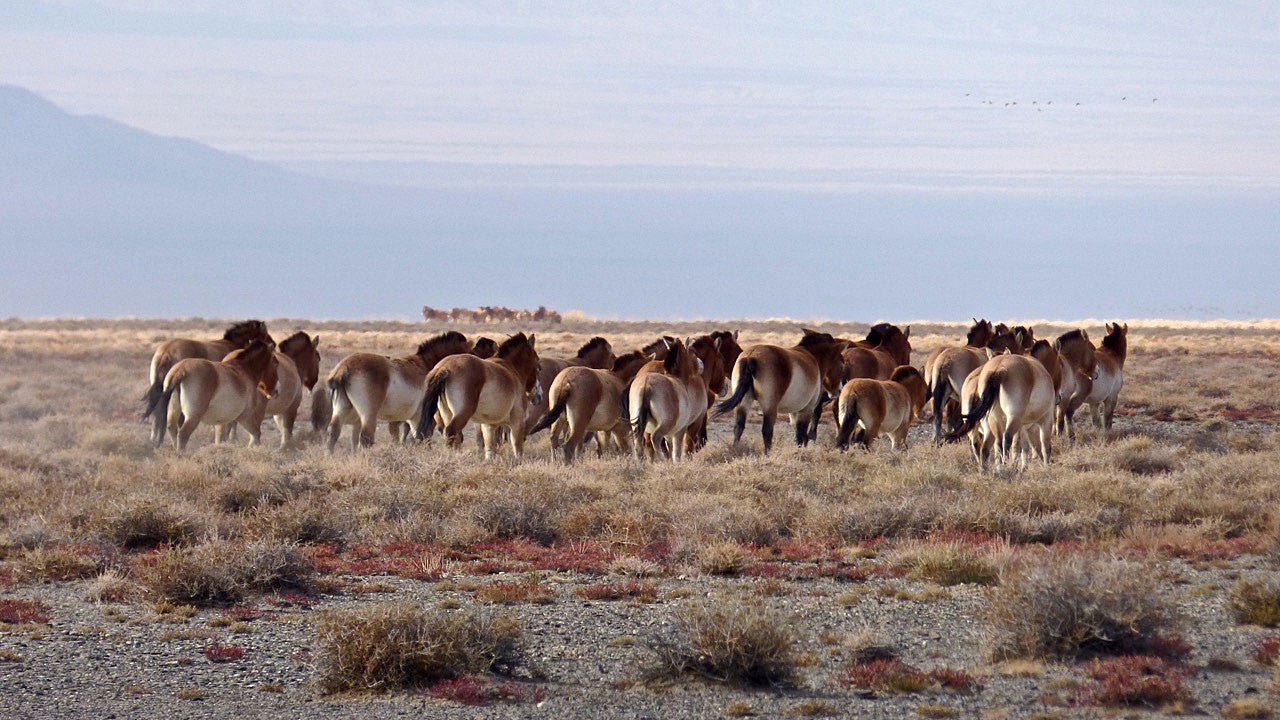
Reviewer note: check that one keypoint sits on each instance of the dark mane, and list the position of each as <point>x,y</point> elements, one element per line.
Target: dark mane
<point>816,339</point>
<point>247,328</point>
<point>658,346</point>
<point>453,336</point>
<point>511,344</point>
<point>1115,342</point>
<point>1039,346</point>
<point>622,361</point>
<point>672,361</point>
<point>880,333</point>
<point>294,341</point>
<point>1076,334</point>
<point>591,345</point>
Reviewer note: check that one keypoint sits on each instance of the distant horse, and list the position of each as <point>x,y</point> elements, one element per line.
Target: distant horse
<point>784,380</point>
<point>232,390</point>
<point>596,353</point>
<point>298,367</point>
<point>668,405</point>
<point>590,401</point>
<point>869,408</point>
<point>1015,395</point>
<point>170,352</point>
<point>365,388</point>
<point>493,392</point>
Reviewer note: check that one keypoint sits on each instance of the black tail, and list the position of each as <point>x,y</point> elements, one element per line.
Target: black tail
<point>435,388</point>
<point>152,396</point>
<point>746,377</point>
<point>845,424</point>
<point>939,401</point>
<point>642,420</point>
<point>321,408</point>
<point>552,415</point>
<point>157,402</point>
<point>989,392</point>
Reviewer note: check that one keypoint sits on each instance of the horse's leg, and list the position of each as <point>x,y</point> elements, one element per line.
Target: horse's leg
<point>290,419</point>
<point>515,432</point>
<point>800,422</point>
<point>766,429</point>
<point>335,429</point>
<point>174,418</point>
<point>396,429</point>
<point>1108,412</point>
<point>489,433</point>
<point>1046,442</point>
<point>899,439</point>
<point>739,423</point>
<point>189,425</point>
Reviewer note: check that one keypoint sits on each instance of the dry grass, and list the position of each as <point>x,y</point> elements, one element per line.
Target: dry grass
<point>729,639</point>
<point>392,645</point>
<point>1248,709</point>
<point>217,573</point>
<point>947,563</point>
<point>1256,600</point>
<point>1063,606</point>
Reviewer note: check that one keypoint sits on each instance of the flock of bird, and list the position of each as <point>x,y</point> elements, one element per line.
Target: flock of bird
<point>1002,388</point>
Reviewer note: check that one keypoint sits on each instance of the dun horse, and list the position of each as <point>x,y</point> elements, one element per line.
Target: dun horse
<point>226,392</point>
<point>1108,376</point>
<point>947,368</point>
<point>784,380</point>
<point>597,354</point>
<point>590,401</point>
<point>879,407</point>
<point>669,404</point>
<point>171,352</point>
<point>365,388</point>
<point>493,392</point>
<point>298,367</point>
<point>1076,350</point>
<point>885,348</point>
<point>1015,396</point>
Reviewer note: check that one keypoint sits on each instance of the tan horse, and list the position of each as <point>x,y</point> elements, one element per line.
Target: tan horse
<point>494,393</point>
<point>879,407</point>
<point>1108,377</point>
<point>597,353</point>
<point>1016,397</point>
<point>668,405</point>
<point>590,401</point>
<point>171,352</point>
<point>365,388</point>
<point>946,369</point>
<point>1066,380</point>
<point>1076,350</point>
<point>784,380</point>
<point>885,348</point>
<point>233,390</point>
<point>298,363</point>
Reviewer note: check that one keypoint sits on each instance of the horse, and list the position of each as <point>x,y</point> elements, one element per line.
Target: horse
<point>597,353</point>
<point>880,407</point>
<point>727,342</point>
<point>947,367</point>
<point>170,352</point>
<point>784,380</point>
<point>1015,395</point>
<point>232,390</point>
<point>1108,376</point>
<point>365,388</point>
<point>1025,337</point>
<point>484,348</point>
<point>885,348</point>
<point>1067,381</point>
<point>298,363</point>
<point>669,404</point>
<point>494,392</point>
<point>590,401</point>
<point>1077,353</point>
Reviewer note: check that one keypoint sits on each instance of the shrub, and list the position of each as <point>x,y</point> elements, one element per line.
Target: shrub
<point>395,645</point>
<point>1144,680</point>
<point>530,590</point>
<point>224,572</point>
<point>1142,456</point>
<point>1247,709</point>
<point>1061,606</point>
<point>630,590</point>
<point>111,587</point>
<point>948,563</point>
<point>61,563</point>
<point>1256,600</point>
<point>889,674</point>
<point>723,558</point>
<point>147,523</point>
<point>729,640</point>
<point>21,611</point>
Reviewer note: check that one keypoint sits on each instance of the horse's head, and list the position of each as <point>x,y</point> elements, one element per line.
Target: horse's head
<point>518,351</point>
<point>1117,340</point>
<point>597,353</point>
<point>1025,336</point>
<point>714,371</point>
<point>257,360</point>
<point>727,342</point>
<point>980,333</point>
<point>437,348</point>
<point>657,349</point>
<point>1077,349</point>
<point>627,365</point>
<point>911,379</point>
<point>484,348</point>
<point>1044,352</point>
<point>826,350</point>
<point>305,353</point>
<point>245,332</point>
<point>681,363</point>
<point>1003,342</point>
<point>891,339</point>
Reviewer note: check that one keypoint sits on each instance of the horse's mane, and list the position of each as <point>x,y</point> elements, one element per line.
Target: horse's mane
<point>658,345</point>
<point>246,328</point>
<point>453,336</point>
<point>511,344</point>
<point>902,372</point>
<point>622,361</point>
<point>1114,341</point>
<point>671,361</point>
<point>1038,346</point>
<point>294,341</point>
<point>816,339</point>
<point>880,333</point>
<point>591,345</point>
<point>1067,337</point>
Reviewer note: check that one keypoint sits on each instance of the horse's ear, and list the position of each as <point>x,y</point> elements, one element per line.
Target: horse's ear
<point>807,331</point>
<point>735,335</point>
<point>716,342</point>
<point>315,342</point>
<point>532,338</point>
<point>1126,329</point>
<point>1084,334</point>
<point>666,341</point>
<point>975,321</point>
<point>1007,351</point>
<point>907,332</point>
<point>991,352</point>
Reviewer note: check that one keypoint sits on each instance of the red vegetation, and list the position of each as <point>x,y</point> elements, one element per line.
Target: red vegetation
<point>16,611</point>
<point>1257,412</point>
<point>631,590</point>
<point>1135,680</point>
<point>482,691</point>
<point>220,653</point>
<point>1268,650</point>
<point>889,674</point>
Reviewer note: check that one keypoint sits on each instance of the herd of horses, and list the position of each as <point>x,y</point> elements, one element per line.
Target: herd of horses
<point>1002,388</point>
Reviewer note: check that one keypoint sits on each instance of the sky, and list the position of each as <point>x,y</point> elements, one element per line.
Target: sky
<point>962,125</point>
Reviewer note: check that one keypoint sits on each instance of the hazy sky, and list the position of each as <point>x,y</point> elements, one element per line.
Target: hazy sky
<point>823,94</point>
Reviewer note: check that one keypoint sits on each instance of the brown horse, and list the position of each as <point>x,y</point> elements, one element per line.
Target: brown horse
<point>298,363</point>
<point>494,392</point>
<point>171,352</point>
<point>365,388</point>
<point>1025,338</point>
<point>597,354</point>
<point>485,348</point>
<point>590,401</point>
<point>727,342</point>
<point>879,407</point>
<point>784,380</point>
<point>1016,398</point>
<point>947,367</point>
<point>669,404</point>
<point>1077,351</point>
<point>885,348</point>
<point>1108,377</point>
<point>233,390</point>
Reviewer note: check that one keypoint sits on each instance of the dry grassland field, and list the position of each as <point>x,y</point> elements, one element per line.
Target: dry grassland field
<point>1134,576</point>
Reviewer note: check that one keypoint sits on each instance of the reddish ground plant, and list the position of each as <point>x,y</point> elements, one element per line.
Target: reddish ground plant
<point>629,590</point>
<point>515,592</point>
<point>20,611</point>
<point>891,675</point>
<point>1267,650</point>
<point>480,690</point>
<point>222,653</point>
<point>1135,680</point>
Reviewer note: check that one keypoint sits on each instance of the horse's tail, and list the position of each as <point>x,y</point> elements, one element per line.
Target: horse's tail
<point>846,421</point>
<point>337,384</point>
<point>435,388</point>
<point>746,378</point>
<point>170,383</point>
<point>160,366</point>
<point>641,419</point>
<point>990,390</point>
<point>941,389</point>
<point>553,414</point>
<point>321,407</point>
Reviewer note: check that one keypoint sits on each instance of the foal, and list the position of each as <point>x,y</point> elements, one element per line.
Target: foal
<point>879,407</point>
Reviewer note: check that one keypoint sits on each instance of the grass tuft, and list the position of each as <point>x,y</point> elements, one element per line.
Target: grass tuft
<point>1256,600</point>
<point>729,639</point>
